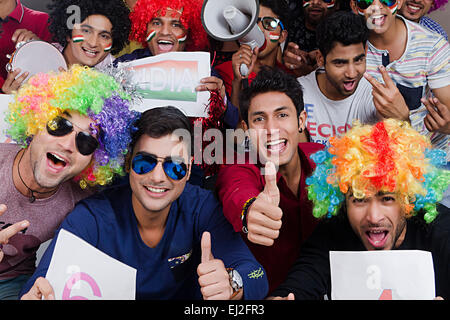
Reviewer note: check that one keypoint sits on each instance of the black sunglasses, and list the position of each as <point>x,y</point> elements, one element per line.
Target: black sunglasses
<point>144,163</point>
<point>59,126</point>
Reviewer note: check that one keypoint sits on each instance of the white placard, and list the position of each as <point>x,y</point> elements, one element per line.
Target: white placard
<point>78,271</point>
<point>170,79</point>
<point>5,99</point>
<point>382,275</point>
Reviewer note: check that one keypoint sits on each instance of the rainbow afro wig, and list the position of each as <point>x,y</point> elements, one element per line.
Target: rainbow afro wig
<point>387,157</point>
<point>89,92</point>
<point>145,10</point>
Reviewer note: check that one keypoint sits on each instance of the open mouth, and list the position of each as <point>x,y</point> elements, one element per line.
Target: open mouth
<point>378,20</point>
<point>156,191</point>
<point>349,85</point>
<point>377,237</point>
<point>412,8</point>
<point>90,53</point>
<point>56,163</point>
<point>165,45</point>
<point>276,145</point>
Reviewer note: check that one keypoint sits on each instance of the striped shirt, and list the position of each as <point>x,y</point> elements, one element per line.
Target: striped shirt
<point>432,25</point>
<point>423,66</point>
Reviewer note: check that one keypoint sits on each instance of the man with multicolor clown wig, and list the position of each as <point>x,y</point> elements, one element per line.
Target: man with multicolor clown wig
<point>416,10</point>
<point>376,188</point>
<point>175,25</point>
<point>71,131</point>
<point>416,59</point>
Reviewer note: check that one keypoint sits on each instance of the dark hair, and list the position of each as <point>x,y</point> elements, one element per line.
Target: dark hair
<point>115,10</point>
<point>344,27</point>
<point>271,80</point>
<point>280,8</point>
<point>159,122</point>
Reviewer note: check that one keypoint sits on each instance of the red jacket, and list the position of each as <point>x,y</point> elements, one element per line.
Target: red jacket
<point>238,183</point>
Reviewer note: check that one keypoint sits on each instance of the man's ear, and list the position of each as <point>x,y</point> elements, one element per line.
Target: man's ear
<point>320,59</point>
<point>191,163</point>
<point>127,162</point>
<point>353,6</point>
<point>283,36</point>
<point>302,121</point>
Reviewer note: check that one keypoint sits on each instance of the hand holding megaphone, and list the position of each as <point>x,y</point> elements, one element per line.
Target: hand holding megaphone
<point>243,61</point>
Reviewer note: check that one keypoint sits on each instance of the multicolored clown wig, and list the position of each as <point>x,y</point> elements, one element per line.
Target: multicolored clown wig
<point>388,157</point>
<point>89,92</point>
<point>145,10</point>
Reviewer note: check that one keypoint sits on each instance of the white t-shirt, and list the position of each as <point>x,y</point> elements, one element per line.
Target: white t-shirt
<point>327,118</point>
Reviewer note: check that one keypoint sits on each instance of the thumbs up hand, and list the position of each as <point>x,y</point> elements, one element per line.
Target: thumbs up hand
<point>264,215</point>
<point>212,275</point>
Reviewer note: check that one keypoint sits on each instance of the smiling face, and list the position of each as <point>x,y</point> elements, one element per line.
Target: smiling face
<point>316,10</point>
<point>273,37</point>
<point>91,41</point>
<point>56,159</point>
<point>166,33</point>
<point>274,124</point>
<point>379,16</point>
<point>415,9</point>
<point>377,220</point>
<point>344,66</point>
<point>154,191</point>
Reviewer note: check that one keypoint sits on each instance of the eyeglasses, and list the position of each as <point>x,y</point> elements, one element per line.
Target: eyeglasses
<point>59,126</point>
<point>270,23</point>
<point>364,4</point>
<point>144,163</point>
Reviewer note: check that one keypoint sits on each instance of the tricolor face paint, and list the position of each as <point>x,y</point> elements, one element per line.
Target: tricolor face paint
<point>77,38</point>
<point>150,35</point>
<point>274,37</point>
<point>108,48</point>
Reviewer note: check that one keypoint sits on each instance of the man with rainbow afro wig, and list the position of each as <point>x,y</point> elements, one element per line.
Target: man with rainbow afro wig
<point>377,188</point>
<point>71,131</point>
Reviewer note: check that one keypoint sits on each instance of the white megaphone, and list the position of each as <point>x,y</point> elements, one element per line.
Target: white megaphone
<point>228,20</point>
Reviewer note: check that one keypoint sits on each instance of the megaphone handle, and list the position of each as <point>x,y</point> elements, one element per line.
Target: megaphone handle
<point>243,69</point>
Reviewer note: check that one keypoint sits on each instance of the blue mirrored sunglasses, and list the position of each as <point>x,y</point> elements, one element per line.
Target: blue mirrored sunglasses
<point>144,163</point>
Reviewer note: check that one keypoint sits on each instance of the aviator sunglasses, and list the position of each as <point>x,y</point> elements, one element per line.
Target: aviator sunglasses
<point>144,163</point>
<point>270,23</point>
<point>59,126</point>
<point>364,4</point>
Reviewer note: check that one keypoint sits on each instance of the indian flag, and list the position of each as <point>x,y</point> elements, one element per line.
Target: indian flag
<point>78,38</point>
<point>182,39</point>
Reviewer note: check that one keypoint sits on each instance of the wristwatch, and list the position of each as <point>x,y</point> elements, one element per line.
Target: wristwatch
<point>235,281</point>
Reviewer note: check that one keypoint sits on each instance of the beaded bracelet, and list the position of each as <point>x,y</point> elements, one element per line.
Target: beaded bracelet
<point>244,213</point>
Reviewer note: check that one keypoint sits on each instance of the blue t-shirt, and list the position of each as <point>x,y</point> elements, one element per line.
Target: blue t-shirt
<point>168,271</point>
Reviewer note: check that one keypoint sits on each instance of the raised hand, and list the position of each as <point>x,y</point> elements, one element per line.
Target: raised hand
<point>264,215</point>
<point>7,233</point>
<point>438,117</point>
<point>387,99</point>
<point>212,275</point>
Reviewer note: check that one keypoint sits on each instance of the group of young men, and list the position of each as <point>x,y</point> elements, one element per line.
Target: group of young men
<point>325,182</point>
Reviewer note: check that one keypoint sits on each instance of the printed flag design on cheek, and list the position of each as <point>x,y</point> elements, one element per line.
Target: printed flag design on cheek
<point>150,35</point>
<point>77,38</point>
<point>108,48</point>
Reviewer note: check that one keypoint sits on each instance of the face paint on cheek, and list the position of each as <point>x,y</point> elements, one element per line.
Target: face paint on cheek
<point>274,37</point>
<point>182,39</point>
<point>305,4</point>
<point>108,48</point>
<point>331,4</point>
<point>77,38</point>
<point>393,8</point>
<point>150,35</point>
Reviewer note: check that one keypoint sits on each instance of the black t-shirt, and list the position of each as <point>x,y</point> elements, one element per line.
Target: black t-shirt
<point>309,278</point>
